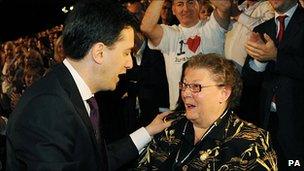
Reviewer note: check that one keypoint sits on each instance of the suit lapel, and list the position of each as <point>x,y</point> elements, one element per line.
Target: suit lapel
<point>70,87</point>
<point>294,26</point>
<point>271,30</point>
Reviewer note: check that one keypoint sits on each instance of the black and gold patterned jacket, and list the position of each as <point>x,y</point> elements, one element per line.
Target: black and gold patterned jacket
<point>229,144</point>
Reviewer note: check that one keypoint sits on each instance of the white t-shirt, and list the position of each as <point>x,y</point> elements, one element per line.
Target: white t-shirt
<point>178,44</point>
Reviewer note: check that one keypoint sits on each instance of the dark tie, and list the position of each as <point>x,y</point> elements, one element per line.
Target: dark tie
<point>94,117</point>
<point>281,20</point>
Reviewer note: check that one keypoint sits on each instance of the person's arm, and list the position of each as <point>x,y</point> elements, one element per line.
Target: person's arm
<point>222,12</point>
<point>128,148</point>
<point>143,136</point>
<point>264,10</point>
<point>3,123</point>
<point>149,24</point>
<point>262,51</point>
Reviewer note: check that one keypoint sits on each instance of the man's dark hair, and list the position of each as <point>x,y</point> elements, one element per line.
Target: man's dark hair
<point>92,22</point>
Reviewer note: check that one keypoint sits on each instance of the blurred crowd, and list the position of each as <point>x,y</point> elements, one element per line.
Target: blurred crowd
<point>25,60</point>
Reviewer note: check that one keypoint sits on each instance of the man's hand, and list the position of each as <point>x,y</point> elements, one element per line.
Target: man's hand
<point>158,124</point>
<point>260,50</point>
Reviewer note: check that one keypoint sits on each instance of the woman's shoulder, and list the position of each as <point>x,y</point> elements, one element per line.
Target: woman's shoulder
<point>240,132</point>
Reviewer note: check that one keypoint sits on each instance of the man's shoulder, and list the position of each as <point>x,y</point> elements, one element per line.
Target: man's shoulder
<point>46,84</point>
<point>49,85</point>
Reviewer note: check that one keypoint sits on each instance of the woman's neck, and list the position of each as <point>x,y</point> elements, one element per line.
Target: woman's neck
<point>202,124</point>
<point>198,133</point>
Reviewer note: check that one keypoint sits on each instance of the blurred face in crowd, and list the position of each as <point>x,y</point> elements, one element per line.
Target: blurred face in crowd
<point>30,78</point>
<point>134,7</point>
<point>202,96</point>
<point>9,50</point>
<point>116,59</point>
<point>204,14</point>
<point>166,12</point>
<point>20,52</point>
<point>281,6</point>
<point>186,11</point>
<point>302,3</point>
<point>58,51</point>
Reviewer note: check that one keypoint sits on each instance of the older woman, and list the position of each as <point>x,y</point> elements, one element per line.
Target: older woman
<point>210,136</point>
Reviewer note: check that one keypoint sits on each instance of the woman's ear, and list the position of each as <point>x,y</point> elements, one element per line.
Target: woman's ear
<point>97,52</point>
<point>225,93</point>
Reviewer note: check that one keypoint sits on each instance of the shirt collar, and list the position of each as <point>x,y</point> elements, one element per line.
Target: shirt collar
<point>83,88</point>
<point>191,29</point>
<point>288,13</point>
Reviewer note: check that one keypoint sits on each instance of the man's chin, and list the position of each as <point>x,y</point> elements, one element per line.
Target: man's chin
<point>122,77</point>
<point>112,89</point>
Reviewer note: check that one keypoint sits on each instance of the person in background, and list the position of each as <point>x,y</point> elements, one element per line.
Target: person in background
<point>55,125</point>
<point>302,3</point>
<point>9,56</point>
<point>58,51</point>
<point>245,17</point>
<point>136,8</point>
<point>273,77</point>
<point>210,136</point>
<point>166,14</point>
<point>205,10</point>
<point>190,37</point>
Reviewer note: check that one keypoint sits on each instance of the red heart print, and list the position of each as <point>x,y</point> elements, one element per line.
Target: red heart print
<point>193,43</point>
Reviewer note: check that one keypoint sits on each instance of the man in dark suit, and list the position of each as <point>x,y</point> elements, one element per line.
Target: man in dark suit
<point>274,79</point>
<point>55,125</point>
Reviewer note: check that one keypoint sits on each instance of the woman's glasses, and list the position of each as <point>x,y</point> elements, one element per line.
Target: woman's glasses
<point>195,88</point>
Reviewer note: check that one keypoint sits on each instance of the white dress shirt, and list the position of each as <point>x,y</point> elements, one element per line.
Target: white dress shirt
<point>140,137</point>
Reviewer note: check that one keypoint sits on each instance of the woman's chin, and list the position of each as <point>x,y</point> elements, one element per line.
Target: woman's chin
<point>190,115</point>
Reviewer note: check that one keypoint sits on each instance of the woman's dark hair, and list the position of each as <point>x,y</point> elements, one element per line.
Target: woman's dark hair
<point>91,22</point>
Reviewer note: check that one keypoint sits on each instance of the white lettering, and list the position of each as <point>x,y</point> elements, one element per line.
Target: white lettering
<point>290,162</point>
<point>294,163</point>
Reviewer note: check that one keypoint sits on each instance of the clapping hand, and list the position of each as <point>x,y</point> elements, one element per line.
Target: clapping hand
<point>261,50</point>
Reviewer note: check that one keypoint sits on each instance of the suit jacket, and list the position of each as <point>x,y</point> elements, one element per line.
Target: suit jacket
<point>283,78</point>
<point>50,130</point>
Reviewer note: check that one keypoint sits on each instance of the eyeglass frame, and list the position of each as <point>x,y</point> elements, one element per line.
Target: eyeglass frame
<point>200,86</point>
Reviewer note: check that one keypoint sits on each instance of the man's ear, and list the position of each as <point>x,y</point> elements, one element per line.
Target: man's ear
<point>97,52</point>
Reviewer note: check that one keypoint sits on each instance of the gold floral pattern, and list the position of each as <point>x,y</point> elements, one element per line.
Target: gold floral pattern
<point>232,144</point>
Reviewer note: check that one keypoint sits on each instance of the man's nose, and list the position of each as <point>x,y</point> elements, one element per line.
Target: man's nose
<point>186,7</point>
<point>129,63</point>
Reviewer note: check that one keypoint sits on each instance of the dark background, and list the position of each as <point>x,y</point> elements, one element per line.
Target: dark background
<point>25,17</point>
